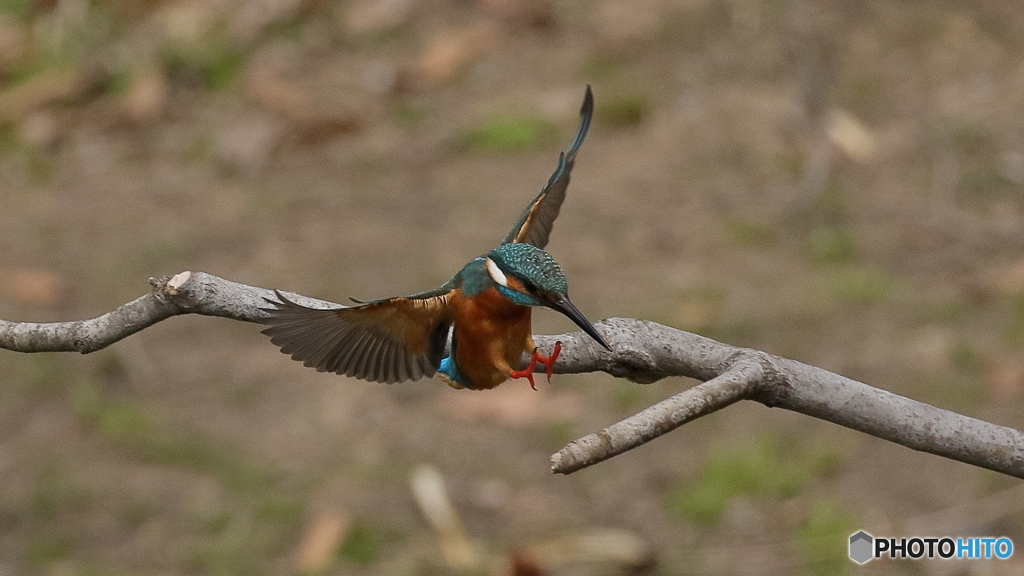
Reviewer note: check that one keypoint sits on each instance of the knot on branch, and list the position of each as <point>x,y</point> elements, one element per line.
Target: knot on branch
<point>773,385</point>
<point>80,342</point>
<point>172,291</point>
<point>633,364</point>
<point>633,346</point>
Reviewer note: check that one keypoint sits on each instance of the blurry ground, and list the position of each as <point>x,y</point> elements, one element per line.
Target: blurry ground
<point>840,183</point>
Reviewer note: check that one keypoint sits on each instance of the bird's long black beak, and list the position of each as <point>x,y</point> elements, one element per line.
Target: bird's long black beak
<point>563,305</point>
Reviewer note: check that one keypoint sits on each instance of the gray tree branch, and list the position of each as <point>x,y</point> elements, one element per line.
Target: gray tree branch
<point>644,352</point>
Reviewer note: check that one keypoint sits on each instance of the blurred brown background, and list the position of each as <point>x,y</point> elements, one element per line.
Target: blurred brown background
<point>838,182</point>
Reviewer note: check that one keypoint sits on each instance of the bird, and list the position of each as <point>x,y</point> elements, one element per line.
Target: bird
<point>486,308</point>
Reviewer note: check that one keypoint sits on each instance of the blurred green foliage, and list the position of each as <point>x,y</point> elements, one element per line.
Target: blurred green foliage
<point>409,113</point>
<point>987,179</point>
<point>626,397</point>
<point>628,110</point>
<point>560,432</point>
<point>213,65</point>
<point>508,133</point>
<point>965,356</point>
<point>602,65</point>
<point>93,570</point>
<point>823,539</point>
<point>54,490</point>
<point>832,203</point>
<point>42,373</point>
<point>15,7</point>
<point>755,233</point>
<point>1013,333</point>
<point>830,245</point>
<point>130,428</point>
<point>236,550</point>
<point>362,545</point>
<point>756,469</point>
<point>861,285</point>
<point>45,549</point>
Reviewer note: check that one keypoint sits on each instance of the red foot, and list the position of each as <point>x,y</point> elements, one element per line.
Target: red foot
<point>547,361</point>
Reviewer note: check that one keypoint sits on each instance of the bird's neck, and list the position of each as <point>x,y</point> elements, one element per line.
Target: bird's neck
<point>475,278</point>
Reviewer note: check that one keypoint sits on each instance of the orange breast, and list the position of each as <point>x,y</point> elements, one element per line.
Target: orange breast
<point>492,334</point>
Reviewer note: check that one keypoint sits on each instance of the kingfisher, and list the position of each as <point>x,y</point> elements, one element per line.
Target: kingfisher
<point>485,307</point>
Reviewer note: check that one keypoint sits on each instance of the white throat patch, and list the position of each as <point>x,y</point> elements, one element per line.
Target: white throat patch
<point>496,274</point>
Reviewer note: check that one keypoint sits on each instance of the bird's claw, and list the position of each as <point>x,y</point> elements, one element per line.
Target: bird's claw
<point>547,361</point>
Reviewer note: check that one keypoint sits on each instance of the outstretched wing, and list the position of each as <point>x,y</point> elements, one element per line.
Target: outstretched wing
<point>534,224</point>
<point>390,340</point>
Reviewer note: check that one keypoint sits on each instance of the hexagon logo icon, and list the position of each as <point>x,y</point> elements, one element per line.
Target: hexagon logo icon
<point>861,544</point>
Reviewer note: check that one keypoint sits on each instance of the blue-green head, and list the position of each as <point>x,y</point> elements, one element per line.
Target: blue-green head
<point>529,276</point>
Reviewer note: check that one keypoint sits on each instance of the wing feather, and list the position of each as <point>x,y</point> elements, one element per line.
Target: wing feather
<point>354,352</point>
<point>535,223</point>
<point>332,358</point>
<point>389,360</point>
<point>366,354</point>
<point>390,340</point>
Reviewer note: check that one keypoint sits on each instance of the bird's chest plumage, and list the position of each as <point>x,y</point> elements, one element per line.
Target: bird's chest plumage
<point>490,336</point>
